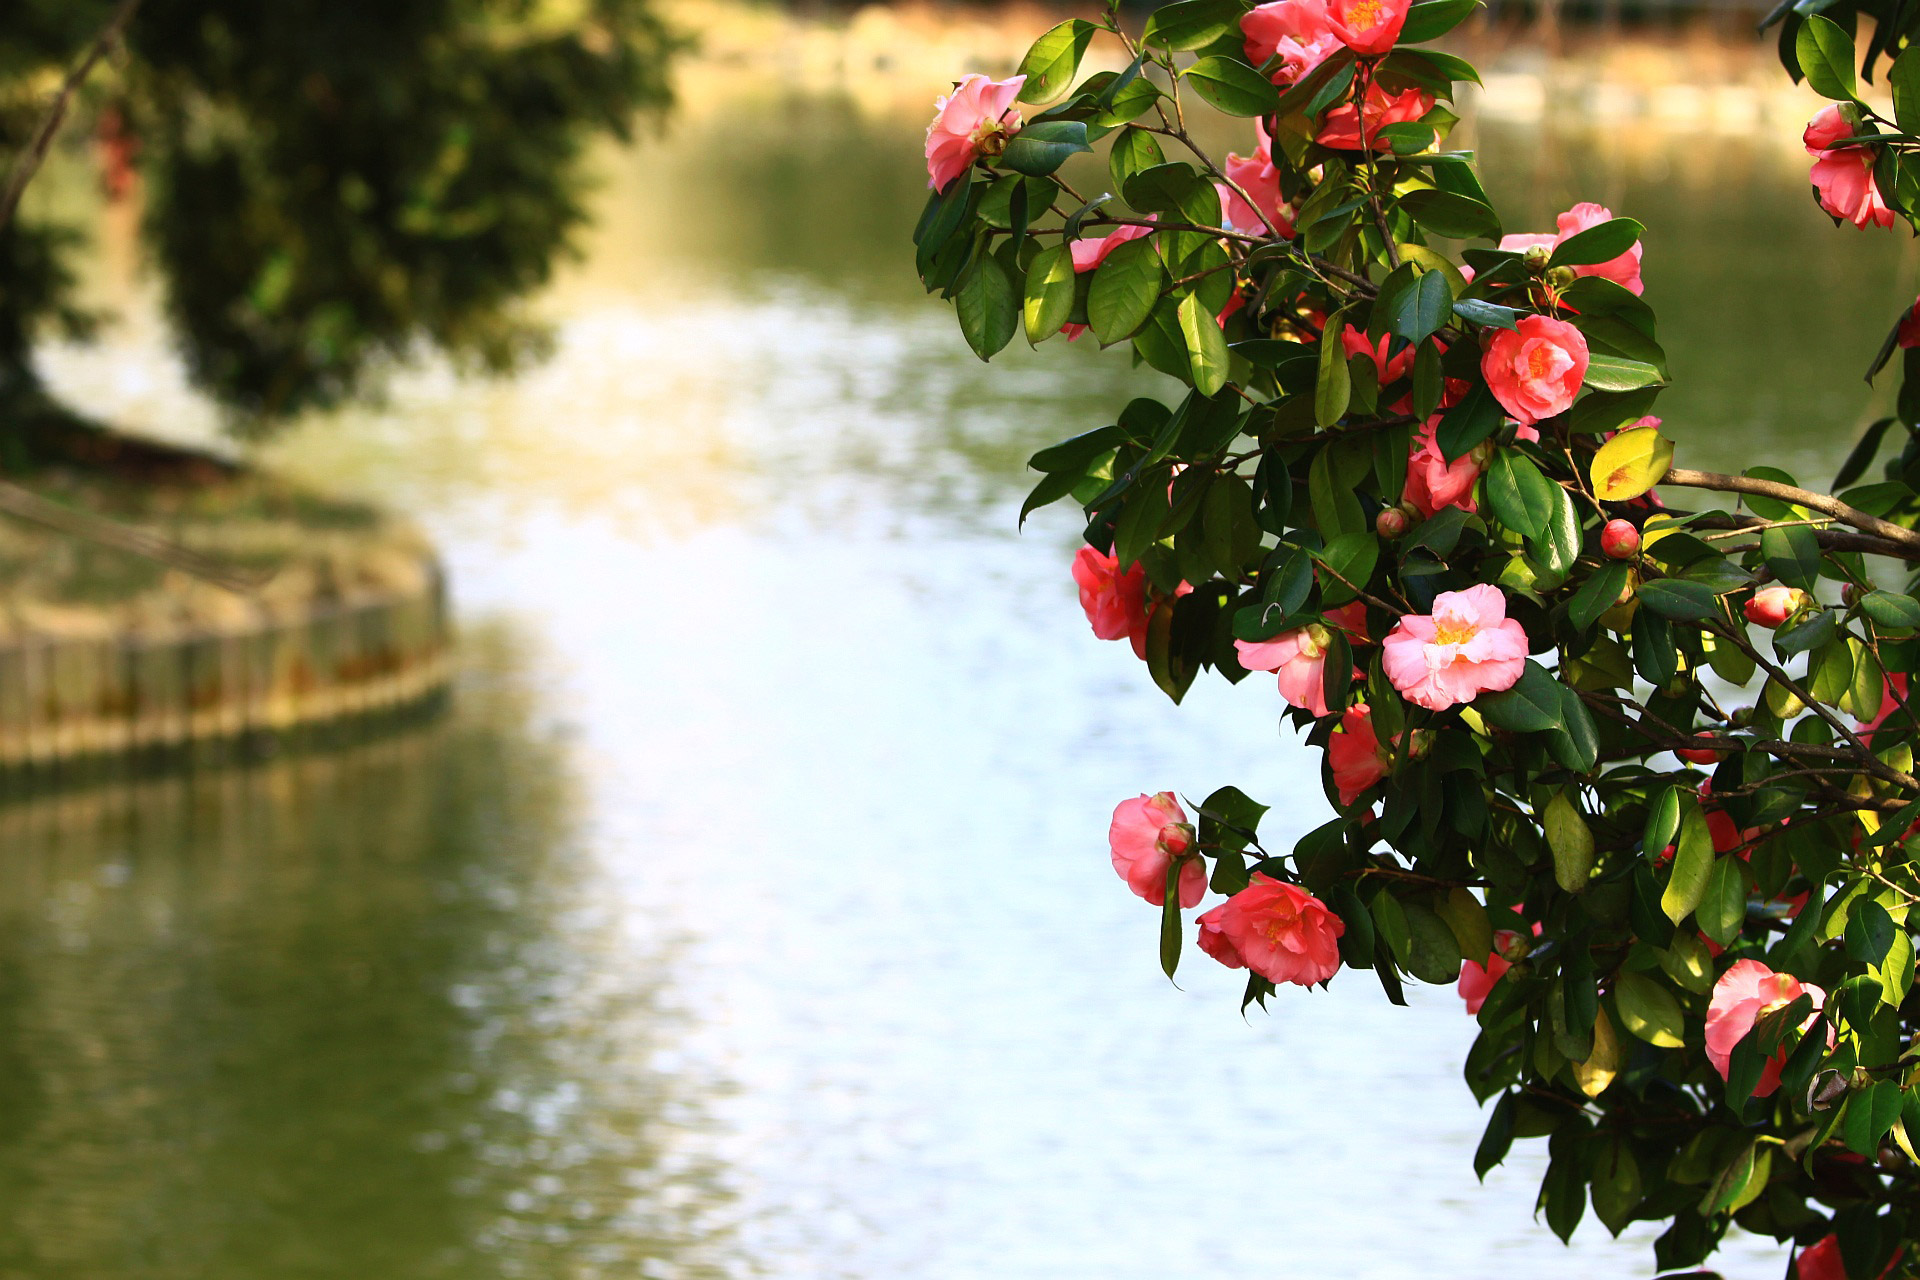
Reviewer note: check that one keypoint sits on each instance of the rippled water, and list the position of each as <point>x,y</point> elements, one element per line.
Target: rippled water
<point>749,912</point>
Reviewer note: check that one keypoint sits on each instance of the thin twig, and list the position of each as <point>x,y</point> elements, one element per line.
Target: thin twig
<point>1688,478</point>
<point>28,505</point>
<point>30,160</point>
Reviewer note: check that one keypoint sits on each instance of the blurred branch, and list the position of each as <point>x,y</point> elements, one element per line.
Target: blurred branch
<point>30,159</point>
<point>1690,479</point>
<point>28,505</point>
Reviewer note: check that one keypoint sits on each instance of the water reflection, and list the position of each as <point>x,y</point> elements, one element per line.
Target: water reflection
<point>340,1015</point>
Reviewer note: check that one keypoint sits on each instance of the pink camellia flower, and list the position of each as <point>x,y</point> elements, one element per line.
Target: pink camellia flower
<point>1520,242</point>
<point>1843,176</point>
<point>1772,606</point>
<point>1535,371</point>
<point>1300,656</point>
<point>1355,754</point>
<point>1623,270</point>
<point>1294,30</point>
<point>1281,932</point>
<point>1476,980</point>
<point>1467,646</point>
<point>1368,27</point>
<point>1147,833</point>
<point>1389,368</point>
<point>1257,176</point>
<point>1088,254</point>
<point>1434,482</point>
<point>1745,992</point>
<point>1342,127</point>
<point>1115,602</point>
<point>1214,941</point>
<point>975,120</point>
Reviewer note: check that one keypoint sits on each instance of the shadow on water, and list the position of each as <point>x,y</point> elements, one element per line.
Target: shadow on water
<point>342,1015</point>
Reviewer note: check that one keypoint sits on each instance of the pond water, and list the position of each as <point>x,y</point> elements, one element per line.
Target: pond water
<point>748,914</point>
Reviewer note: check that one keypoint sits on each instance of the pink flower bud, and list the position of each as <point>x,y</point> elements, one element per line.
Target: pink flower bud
<point>1772,606</point>
<point>1174,839</point>
<point>1701,755</point>
<point>1391,523</point>
<point>1620,540</point>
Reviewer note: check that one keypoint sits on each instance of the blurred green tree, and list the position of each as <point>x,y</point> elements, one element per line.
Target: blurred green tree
<point>330,185</point>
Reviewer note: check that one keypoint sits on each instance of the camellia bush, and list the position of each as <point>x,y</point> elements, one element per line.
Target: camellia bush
<point>1637,773</point>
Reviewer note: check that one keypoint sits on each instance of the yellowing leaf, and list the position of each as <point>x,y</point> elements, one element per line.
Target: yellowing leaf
<point>1603,1064</point>
<point>1630,464</point>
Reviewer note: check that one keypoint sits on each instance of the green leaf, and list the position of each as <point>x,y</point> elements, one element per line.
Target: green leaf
<point>1434,954</point>
<point>989,310</point>
<point>1740,1182</point>
<point>1663,822</point>
<point>1521,496</point>
<point>1174,188</point>
<point>1692,861</point>
<point>1170,919</point>
<point>1431,19</point>
<point>1191,24</point>
<point>1679,600</point>
<point>1134,150</point>
<point>1348,559</point>
<point>1044,146</point>
<point>1688,962</point>
<point>1423,309</point>
<point>1890,609</point>
<point>1869,932</point>
<point>1333,387</point>
<point>1232,86</point>
<point>1614,373</point>
<point>1530,706</point>
<point>1825,54</point>
<point>1793,554</point>
<point>1487,314</point>
<point>1574,742</point>
<point>1124,289</point>
<point>1050,289</point>
<point>1603,243</point>
<point>1597,595</point>
<point>1206,346</point>
<point>1075,454</point>
<point>1904,79</point>
<point>1870,1114</point>
<point>1601,411</point>
<point>1617,1190</point>
<point>1498,1138</point>
<point>1052,62</point>
<point>1476,417</point>
<point>1723,908</point>
<point>1648,1010</point>
<point>1571,841</point>
<point>1630,464</point>
<point>1448,214</point>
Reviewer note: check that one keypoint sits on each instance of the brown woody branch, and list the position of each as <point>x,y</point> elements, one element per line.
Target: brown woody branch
<point>30,159</point>
<point>1899,535</point>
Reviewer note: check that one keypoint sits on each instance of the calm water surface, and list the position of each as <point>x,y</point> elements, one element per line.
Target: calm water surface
<point>749,914</point>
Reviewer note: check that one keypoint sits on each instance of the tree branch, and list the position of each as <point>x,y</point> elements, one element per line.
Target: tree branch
<point>28,505</point>
<point>1900,535</point>
<point>30,160</point>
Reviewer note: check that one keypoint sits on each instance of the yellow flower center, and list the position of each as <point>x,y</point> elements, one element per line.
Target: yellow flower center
<point>1365,15</point>
<point>1451,633</point>
<point>1540,362</point>
<point>1280,923</point>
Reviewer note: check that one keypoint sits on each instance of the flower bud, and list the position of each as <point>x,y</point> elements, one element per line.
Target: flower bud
<point>1851,594</point>
<point>1561,277</point>
<point>1538,256</point>
<point>1391,523</point>
<point>1699,755</point>
<point>1420,744</point>
<point>1481,455</point>
<point>1740,717</point>
<point>1772,606</point>
<point>1314,640</point>
<point>993,144</point>
<point>1175,838</point>
<point>1511,944</point>
<point>1620,540</point>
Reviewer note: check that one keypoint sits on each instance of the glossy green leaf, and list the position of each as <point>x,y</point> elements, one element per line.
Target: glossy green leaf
<point>1054,59</point>
<point>1571,840</point>
<point>1692,860</point>
<point>988,308</point>
<point>1124,289</point>
<point>1723,907</point>
<point>1206,346</point>
<point>1603,243</point>
<point>1904,79</point>
<point>1825,53</point>
<point>1044,146</point>
<point>1431,19</point>
<point>1447,214</point>
<point>1134,150</point>
<point>1522,497</point>
<point>1679,600</point>
<point>1615,373</point>
<point>1597,595</point>
<point>1050,289</point>
<point>1531,705</point>
<point>1232,86</point>
<point>1891,609</point>
<point>1333,388</point>
<point>1191,24</point>
<point>1648,1010</point>
<point>1793,554</point>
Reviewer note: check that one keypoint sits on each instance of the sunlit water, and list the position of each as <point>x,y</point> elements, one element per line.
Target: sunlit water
<point>750,913</point>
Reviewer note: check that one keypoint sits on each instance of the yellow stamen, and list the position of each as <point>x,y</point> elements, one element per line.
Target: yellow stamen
<point>1365,15</point>
<point>1444,634</point>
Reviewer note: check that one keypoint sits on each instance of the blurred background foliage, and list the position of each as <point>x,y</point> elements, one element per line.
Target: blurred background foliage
<point>329,184</point>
